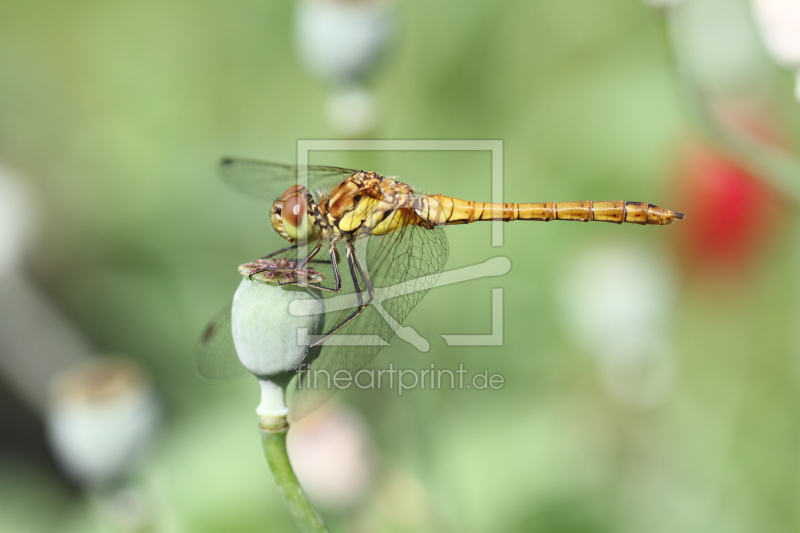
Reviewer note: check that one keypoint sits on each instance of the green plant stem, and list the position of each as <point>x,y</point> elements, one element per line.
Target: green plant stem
<point>273,435</point>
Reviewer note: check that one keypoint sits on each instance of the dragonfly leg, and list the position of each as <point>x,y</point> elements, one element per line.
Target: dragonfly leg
<point>278,252</point>
<point>298,266</point>
<point>290,248</point>
<point>334,266</point>
<point>365,277</point>
<point>353,264</point>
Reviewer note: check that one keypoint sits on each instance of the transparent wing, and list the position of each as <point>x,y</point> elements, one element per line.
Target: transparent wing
<point>268,181</point>
<point>402,266</point>
<point>216,355</point>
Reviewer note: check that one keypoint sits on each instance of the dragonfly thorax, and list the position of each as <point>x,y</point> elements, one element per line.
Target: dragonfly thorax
<point>293,216</point>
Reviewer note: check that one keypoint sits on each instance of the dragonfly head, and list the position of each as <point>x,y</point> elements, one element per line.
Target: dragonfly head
<point>292,216</point>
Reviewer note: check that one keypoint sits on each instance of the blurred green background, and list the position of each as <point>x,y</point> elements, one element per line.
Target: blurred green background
<point>116,113</point>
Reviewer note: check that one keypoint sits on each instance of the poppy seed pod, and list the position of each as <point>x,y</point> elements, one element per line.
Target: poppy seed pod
<point>101,417</point>
<point>270,341</point>
<point>340,41</point>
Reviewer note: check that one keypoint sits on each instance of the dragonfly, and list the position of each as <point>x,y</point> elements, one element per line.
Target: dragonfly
<point>371,233</point>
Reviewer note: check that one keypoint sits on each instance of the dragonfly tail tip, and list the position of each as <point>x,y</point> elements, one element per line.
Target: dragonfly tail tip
<point>672,216</point>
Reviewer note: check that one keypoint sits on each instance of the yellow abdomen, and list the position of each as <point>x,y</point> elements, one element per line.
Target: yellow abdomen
<point>445,210</point>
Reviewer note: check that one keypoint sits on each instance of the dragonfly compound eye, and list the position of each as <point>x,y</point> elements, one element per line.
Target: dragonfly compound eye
<point>294,210</point>
<point>291,191</point>
<point>295,219</point>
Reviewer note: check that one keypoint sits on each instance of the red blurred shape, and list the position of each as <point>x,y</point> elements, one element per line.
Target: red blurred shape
<point>731,213</point>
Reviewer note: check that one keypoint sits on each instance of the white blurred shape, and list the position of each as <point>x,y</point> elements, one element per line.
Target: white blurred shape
<point>17,216</point>
<point>779,22</point>
<point>340,41</point>
<point>265,333</point>
<point>616,301</point>
<point>101,418</point>
<point>779,25</point>
<point>332,456</point>
<point>617,292</point>
<point>273,400</point>
<point>638,374</point>
<point>716,38</point>
<point>35,340</point>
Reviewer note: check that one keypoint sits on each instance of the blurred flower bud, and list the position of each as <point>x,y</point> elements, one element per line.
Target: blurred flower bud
<point>734,213</point>
<point>779,24</point>
<point>332,456</point>
<point>100,419</point>
<point>265,333</point>
<point>341,42</point>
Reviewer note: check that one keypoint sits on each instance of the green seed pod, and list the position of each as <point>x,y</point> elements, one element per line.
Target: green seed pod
<point>101,417</point>
<point>268,338</point>
<point>270,341</point>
